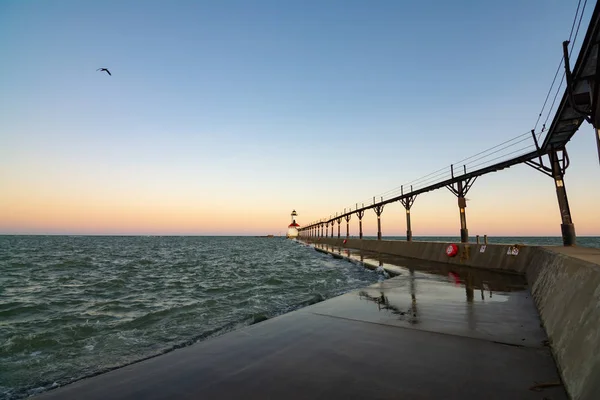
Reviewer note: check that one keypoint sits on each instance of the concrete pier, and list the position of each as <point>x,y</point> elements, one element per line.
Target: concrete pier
<point>433,331</point>
<point>564,282</point>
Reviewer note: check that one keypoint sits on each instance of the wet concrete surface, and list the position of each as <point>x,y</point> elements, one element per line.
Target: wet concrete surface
<point>588,254</point>
<point>430,332</point>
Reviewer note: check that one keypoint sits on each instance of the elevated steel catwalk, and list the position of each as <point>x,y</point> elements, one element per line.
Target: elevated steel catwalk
<point>580,88</point>
<point>580,102</point>
<point>444,183</point>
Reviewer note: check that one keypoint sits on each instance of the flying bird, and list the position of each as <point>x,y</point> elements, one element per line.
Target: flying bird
<point>105,70</point>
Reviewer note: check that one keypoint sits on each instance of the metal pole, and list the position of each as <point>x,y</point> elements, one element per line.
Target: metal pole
<point>567,228</point>
<point>347,228</point>
<point>598,142</point>
<point>408,227</point>
<point>378,227</point>
<point>360,214</point>
<point>360,228</point>
<point>339,221</point>
<point>462,205</point>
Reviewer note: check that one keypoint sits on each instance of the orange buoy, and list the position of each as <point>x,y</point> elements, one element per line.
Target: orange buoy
<point>451,250</point>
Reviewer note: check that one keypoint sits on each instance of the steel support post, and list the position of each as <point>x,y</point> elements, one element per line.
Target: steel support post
<point>332,224</point>
<point>557,169</point>
<point>408,228</point>
<point>326,230</point>
<point>339,221</point>
<point>407,203</point>
<point>321,230</point>
<point>567,228</point>
<point>360,215</point>
<point>460,191</point>
<point>378,210</point>
<point>347,217</point>
<point>598,142</point>
<point>462,206</point>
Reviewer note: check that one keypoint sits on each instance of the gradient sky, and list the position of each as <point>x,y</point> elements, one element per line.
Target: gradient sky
<point>223,116</point>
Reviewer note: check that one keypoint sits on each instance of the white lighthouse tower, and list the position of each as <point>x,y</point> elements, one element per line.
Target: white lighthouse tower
<point>292,232</point>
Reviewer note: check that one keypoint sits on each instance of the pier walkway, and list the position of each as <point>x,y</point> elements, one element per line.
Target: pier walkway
<point>419,335</point>
<point>580,102</point>
<point>588,254</point>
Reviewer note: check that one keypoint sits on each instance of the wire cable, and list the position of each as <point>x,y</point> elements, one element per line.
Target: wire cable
<point>554,100</point>
<point>578,26</point>
<point>434,176</point>
<point>562,58</point>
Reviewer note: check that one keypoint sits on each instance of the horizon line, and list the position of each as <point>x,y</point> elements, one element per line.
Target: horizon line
<point>256,235</point>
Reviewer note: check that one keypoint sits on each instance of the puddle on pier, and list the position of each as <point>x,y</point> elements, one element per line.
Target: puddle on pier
<point>442,298</point>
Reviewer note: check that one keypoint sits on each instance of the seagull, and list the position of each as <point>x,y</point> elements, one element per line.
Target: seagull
<point>105,70</point>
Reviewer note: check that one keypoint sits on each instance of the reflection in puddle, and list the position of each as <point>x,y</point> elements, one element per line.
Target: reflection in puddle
<point>440,289</point>
<point>486,282</point>
<point>410,314</point>
<point>442,298</point>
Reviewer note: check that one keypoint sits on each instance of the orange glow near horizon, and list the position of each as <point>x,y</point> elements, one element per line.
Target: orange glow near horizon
<point>24,215</point>
<point>63,201</point>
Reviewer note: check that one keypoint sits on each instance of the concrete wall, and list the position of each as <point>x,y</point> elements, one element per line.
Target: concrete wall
<point>566,291</point>
<point>567,294</point>
<point>494,257</point>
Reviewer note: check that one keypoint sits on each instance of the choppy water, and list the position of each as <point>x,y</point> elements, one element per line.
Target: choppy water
<point>75,306</point>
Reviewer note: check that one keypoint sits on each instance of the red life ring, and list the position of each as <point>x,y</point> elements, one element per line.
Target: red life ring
<point>451,250</point>
<point>345,241</point>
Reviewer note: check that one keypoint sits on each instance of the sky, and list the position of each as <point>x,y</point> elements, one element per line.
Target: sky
<point>220,117</point>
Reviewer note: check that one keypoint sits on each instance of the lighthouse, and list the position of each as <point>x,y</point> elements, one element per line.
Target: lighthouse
<point>292,232</point>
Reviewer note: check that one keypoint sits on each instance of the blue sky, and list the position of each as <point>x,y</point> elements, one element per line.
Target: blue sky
<point>236,112</point>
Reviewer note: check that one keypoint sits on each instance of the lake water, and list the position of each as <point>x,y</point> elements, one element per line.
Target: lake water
<point>75,306</point>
